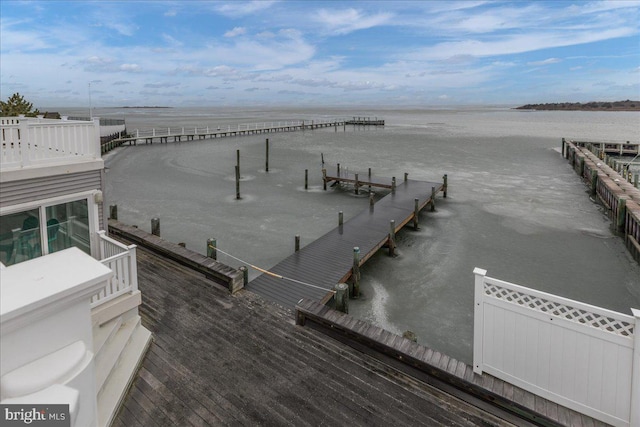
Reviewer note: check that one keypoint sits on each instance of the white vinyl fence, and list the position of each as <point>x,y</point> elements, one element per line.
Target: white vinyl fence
<point>121,259</point>
<point>577,355</point>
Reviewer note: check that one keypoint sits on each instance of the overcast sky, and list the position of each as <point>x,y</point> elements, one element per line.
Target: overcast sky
<point>192,53</point>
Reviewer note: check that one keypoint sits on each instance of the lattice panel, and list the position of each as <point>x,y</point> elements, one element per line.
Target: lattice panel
<point>577,315</point>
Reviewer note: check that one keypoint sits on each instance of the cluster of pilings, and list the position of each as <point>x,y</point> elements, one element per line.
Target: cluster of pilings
<point>617,191</point>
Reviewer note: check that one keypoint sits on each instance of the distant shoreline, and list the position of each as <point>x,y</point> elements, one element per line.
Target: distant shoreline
<point>143,106</point>
<point>589,106</point>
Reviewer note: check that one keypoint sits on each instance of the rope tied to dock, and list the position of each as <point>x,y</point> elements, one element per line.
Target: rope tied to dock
<point>270,273</point>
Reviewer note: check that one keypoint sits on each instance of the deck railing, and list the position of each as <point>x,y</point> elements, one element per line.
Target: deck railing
<point>580,356</point>
<point>36,141</point>
<point>121,259</point>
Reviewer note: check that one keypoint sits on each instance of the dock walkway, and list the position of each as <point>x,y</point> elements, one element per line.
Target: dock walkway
<point>328,260</point>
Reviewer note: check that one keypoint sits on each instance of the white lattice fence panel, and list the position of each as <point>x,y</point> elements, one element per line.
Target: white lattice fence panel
<point>574,354</point>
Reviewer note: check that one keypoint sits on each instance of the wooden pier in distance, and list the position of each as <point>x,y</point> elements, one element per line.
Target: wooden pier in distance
<point>164,135</point>
<point>329,260</point>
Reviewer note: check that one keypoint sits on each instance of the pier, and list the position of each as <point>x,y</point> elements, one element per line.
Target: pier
<point>332,258</point>
<point>612,185</point>
<point>165,135</point>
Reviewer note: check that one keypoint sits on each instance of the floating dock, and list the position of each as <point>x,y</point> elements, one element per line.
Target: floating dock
<point>329,260</point>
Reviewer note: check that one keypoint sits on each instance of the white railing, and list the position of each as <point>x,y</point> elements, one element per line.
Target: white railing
<point>35,141</point>
<point>577,355</point>
<point>121,259</point>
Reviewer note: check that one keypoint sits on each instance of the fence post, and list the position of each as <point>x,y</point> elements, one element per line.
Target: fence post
<point>133,267</point>
<point>478,316</point>
<point>635,376</point>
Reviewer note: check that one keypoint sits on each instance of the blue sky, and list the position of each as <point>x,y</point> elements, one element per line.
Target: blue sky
<point>411,53</point>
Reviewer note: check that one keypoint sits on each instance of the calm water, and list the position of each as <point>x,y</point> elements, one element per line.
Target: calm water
<point>515,207</point>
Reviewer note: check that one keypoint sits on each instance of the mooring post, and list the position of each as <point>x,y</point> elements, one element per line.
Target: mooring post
<point>416,213</point>
<point>433,199</point>
<point>369,179</point>
<point>245,274</point>
<point>356,184</point>
<point>338,170</point>
<point>340,218</point>
<point>211,249</point>
<point>155,226</point>
<point>238,161</point>
<point>297,243</point>
<point>355,274</point>
<point>371,201</point>
<point>393,184</point>
<point>266,166</point>
<point>392,237</point>
<point>113,212</point>
<point>322,158</point>
<point>635,180</point>
<point>237,182</point>
<point>406,177</point>
<point>594,181</point>
<point>445,186</point>
<point>324,179</point>
<point>342,297</point>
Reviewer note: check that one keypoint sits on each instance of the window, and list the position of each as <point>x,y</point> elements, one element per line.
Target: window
<point>35,232</point>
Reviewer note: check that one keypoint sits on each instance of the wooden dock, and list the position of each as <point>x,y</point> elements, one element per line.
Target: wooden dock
<point>329,260</point>
<point>167,134</point>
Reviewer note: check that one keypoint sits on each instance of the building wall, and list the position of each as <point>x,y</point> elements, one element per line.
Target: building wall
<point>33,189</point>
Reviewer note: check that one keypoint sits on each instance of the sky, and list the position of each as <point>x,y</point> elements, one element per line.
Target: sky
<point>326,53</point>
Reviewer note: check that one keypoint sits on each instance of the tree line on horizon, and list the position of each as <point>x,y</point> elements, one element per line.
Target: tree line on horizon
<point>627,105</point>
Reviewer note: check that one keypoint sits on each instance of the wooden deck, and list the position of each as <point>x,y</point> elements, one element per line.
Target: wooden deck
<point>220,359</point>
<point>328,260</point>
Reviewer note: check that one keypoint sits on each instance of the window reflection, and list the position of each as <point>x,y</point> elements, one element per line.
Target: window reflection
<point>20,237</point>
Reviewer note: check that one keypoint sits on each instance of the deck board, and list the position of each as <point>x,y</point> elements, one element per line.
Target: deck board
<point>221,359</point>
<point>328,259</point>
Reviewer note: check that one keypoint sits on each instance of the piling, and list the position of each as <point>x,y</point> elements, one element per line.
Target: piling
<point>266,166</point>
<point>306,179</point>
<point>356,185</point>
<point>340,218</point>
<point>113,212</point>
<point>342,297</point>
<point>297,243</point>
<point>444,187</point>
<point>324,179</point>
<point>393,184</point>
<point>155,226</point>
<point>338,170</point>
<point>369,179</point>
<point>238,162</point>
<point>392,237</point>
<point>237,182</point>
<point>371,201</point>
<point>416,212</point>
<point>355,275</point>
<point>406,177</point>
<point>211,249</point>
<point>245,274</point>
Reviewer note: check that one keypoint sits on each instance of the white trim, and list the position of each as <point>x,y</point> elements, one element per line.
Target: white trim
<point>8,175</point>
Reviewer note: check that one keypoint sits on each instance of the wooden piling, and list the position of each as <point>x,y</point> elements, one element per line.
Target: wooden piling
<point>355,274</point>
<point>155,226</point>
<point>338,170</point>
<point>324,179</point>
<point>297,243</point>
<point>371,201</point>
<point>393,184</point>
<point>342,297</point>
<point>238,162</point>
<point>340,218</point>
<point>444,187</point>
<point>113,212</point>
<point>406,177</point>
<point>392,237</point>
<point>635,180</point>
<point>266,166</point>
<point>356,185</point>
<point>369,179</point>
<point>211,249</point>
<point>416,212</point>
<point>306,179</point>
<point>237,182</point>
<point>245,274</point>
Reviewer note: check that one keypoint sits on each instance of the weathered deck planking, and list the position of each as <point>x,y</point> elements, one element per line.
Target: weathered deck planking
<point>328,260</point>
<point>221,359</point>
<point>521,406</point>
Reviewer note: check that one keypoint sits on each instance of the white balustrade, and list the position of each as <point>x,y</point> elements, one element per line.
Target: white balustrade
<point>121,259</point>
<point>28,142</point>
<point>580,356</point>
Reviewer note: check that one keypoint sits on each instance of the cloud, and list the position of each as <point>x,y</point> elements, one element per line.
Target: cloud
<point>121,83</point>
<point>545,62</point>
<point>338,22</point>
<point>161,85</point>
<point>240,8</point>
<point>170,13</point>
<point>237,31</point>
